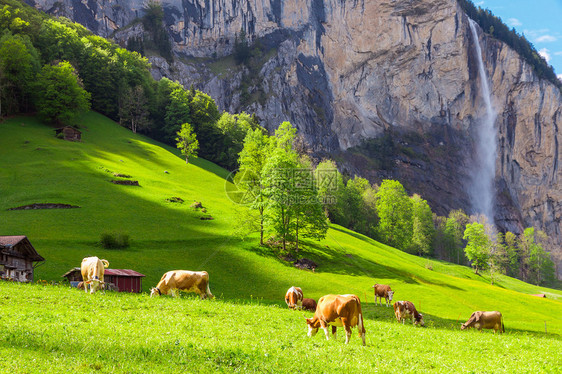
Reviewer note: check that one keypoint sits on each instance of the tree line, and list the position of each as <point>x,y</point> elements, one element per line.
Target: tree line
<point>290,197</point>
<point>59,69</point>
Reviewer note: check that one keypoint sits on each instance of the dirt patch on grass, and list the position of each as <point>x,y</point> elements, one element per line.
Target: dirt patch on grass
<point>305,264</point>
<point>126,182</point>
<point>45,206</point>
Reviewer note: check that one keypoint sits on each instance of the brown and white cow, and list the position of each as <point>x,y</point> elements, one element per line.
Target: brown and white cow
<point>383,290</point>
<point>293,298</point>
<point>92,269</point>
<point>309,304</point>
<point>485,320</point>
<point>183,280</point>
<point>337,311</point>
<point>406,310</point>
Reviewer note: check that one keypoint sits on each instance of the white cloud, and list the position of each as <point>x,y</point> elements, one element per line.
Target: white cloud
<point>514,22</point>
<point>542,35</point>
<point>560,77</point>
<point>545,53</point>
<point>559,53</point>
<point>479,3</point>
<point>545,39</point>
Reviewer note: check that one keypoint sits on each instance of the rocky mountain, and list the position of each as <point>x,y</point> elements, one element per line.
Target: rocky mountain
<point>350,73</point>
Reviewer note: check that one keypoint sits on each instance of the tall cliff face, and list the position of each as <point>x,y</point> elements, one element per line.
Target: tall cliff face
<point>346,71</point>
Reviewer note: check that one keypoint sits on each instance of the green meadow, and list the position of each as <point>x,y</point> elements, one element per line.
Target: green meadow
<point>50,329</point>
<point>247,328</point>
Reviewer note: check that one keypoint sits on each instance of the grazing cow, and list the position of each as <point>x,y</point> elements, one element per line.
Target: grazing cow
<point>337,311</point>
<point>183,280</point>
<point>92,273</point>
<point>293,298</point>
<point>485,320</point>
<point>309,304</point>
<point>383,290</point>
<point>406,310</point>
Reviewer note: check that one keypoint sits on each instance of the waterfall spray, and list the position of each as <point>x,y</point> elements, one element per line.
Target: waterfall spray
<point>482,186</point>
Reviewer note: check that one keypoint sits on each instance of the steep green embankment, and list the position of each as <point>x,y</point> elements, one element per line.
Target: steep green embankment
<point>36,167</point>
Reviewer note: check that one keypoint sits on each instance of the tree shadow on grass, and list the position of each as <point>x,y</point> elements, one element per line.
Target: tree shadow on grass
<point>336,261</point>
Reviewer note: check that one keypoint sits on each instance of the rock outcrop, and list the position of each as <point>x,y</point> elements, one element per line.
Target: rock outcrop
<point>346,71</point>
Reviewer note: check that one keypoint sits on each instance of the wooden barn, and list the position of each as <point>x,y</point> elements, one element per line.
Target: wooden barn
<point>121,280</point>
<point>69,133</point>
<point>17,258</point>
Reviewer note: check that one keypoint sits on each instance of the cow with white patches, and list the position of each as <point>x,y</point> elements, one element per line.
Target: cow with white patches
<point>92,269</point>
<point>337,311</point>
<point>406,310</point>
<point>293,298</point>
<point>383,290</point>
<point>183,280</point>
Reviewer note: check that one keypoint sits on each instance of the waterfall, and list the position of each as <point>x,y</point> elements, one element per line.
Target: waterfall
<point>482,187</point>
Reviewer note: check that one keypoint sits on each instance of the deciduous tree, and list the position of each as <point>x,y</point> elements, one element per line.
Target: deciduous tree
<point>250,177</point>
<point>422,226</point>
<point>60,97</point>
<point>187,142</point>
<point>395,214</point>
<point>477,248</point>
<point>133,111</point>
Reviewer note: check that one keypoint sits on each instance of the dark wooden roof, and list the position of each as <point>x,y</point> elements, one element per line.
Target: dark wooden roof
<point>23,243</point>
<point>70,272</point>
<point>123,272</point>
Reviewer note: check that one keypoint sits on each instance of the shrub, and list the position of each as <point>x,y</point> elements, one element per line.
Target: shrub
<point>113,240</point>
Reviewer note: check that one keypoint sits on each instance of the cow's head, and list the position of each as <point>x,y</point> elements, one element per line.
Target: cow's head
<point>313,326</point>
<point>390,294</point>
<point>95,284</point>
<point>419,320</point>
<point>475,317</point>
<point>154,291</point>
<point>292,300</point>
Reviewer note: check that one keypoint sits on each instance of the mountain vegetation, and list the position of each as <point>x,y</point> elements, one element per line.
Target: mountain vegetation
<point>494,26</point>
<point>109,79</point>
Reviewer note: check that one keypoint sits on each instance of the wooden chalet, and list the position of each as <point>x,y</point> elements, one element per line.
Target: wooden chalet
<point>121,280</point>
<point>69,133</point>
<point>17,258</point>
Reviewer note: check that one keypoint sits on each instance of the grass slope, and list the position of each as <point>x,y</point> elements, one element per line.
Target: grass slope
<point>124,333</point>
<point>36,167</point>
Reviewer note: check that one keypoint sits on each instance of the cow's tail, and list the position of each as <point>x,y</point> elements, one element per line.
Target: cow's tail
<point>361,324</point>
<point>209,294</point>
<point>105,263</point>
<point>361,327</point>
<point>503,328</point>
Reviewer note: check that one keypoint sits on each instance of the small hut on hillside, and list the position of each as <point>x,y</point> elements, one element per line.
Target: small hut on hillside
<point>17,256</point>
<point>122,280</point>
<point>69,133</point>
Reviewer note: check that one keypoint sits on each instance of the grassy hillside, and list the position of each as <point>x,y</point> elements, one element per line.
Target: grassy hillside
<point>36,167</point>
<point>123,333</point>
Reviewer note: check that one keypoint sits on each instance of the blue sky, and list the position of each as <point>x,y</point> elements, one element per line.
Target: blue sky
<point>539,20</point>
